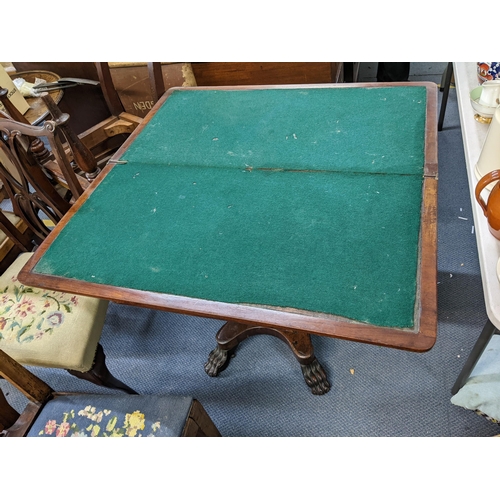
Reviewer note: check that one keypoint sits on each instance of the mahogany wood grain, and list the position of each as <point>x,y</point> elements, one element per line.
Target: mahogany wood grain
<point>156,80</point>
<point>265,73</point>
<point>199,423</point>
<point>8,415</point>
<point>32,387</point>
<point>23,424</point>
<point>81,154</point>
<point>108,89</point>
<point>420,338</point>
<point>19,237</point>
<point>30,189</point>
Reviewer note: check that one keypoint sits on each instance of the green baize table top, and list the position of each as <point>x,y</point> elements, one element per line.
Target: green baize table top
<point>297,198</point>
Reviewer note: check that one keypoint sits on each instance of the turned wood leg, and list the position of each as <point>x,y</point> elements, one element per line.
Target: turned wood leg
<point>100,375</point>
<point>231,334</point>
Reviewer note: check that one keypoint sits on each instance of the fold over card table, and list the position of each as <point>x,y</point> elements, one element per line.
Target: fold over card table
<point>284,210</point>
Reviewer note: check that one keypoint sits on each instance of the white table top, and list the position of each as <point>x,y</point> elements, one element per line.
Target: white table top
<point>474,134</point>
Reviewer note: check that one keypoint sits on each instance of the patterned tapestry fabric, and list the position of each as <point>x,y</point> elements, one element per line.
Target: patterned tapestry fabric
<point>46,328</point>
<point>89,415</point>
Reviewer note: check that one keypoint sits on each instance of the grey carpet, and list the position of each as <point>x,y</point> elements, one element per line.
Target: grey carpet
<point>262,392</point>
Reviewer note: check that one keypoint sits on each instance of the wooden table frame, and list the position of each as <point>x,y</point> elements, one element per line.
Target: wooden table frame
<point>292,326</point>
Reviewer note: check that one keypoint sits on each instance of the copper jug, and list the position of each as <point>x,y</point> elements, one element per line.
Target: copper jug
<point>491,209</point>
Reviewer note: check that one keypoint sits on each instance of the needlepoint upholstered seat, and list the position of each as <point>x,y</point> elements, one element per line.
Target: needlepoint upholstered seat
<point>84,415</point>
<point>56,414</point>
<point>44,328</point>
<point>50,329</point>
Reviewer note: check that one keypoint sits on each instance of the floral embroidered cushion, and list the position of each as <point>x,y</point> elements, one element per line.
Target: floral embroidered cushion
<point>45,328</point>
<point>89,415</point>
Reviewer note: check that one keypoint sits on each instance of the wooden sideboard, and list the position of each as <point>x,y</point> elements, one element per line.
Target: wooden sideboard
<point>267,73</point>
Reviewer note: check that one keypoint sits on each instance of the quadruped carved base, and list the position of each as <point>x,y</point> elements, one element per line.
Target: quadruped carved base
<point>231,334</point>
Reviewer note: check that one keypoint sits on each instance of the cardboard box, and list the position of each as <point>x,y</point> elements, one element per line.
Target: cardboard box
<point>131,81</point>
<point>14,95</point>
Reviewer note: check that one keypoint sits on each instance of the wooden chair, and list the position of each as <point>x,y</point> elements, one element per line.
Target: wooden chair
<point>51,329</point>
<point>8,249</point>
<point>33,175</point>
<point>79,156</point>
<point>55,414</point>
<point>107,136</point>
<point>118,87</point>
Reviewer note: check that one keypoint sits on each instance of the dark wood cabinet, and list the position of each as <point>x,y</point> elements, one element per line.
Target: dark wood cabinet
<point>266,73</point>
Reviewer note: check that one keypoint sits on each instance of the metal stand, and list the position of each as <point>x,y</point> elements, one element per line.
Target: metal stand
<point>488,331</point>
<point>446,91</point>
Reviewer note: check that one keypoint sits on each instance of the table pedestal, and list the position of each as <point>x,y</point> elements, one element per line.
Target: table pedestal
<point>231,334</point>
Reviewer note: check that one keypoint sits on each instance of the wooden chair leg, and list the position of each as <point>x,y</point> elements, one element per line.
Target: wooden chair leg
<point>198,423</point>
<point>8,415</point>
<point>100,375</point>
